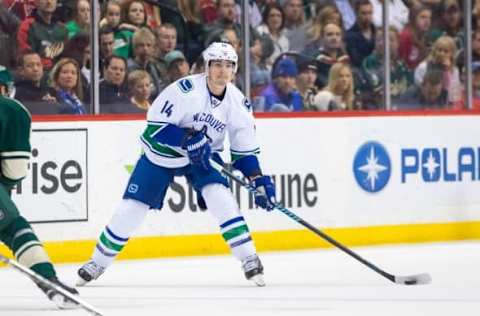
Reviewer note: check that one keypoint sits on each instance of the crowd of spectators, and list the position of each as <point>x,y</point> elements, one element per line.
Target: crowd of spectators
<point>305,55</point>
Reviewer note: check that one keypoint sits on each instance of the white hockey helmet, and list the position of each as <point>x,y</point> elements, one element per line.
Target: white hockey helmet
<point>220,51</point>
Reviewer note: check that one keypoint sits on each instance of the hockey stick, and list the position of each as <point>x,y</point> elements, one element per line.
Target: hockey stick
<point>39,279</point>
<point>423,278</point>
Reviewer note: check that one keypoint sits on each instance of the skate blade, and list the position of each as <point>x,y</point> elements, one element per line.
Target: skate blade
<point>64,303</point>
<point>258,280</point>
<point>80,282</point>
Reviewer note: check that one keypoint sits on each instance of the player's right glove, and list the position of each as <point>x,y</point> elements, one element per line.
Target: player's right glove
<point>198,149</point>
<point>266,198</point>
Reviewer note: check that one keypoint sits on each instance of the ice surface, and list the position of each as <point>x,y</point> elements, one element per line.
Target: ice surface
<point>323,282</point>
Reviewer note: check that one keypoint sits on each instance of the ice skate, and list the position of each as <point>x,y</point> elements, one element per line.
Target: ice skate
<point>253,269</point>
<point>88,272</point>
<point>56,297</point>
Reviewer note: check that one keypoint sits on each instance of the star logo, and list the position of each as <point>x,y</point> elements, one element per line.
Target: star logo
<point>372,167</point>
<point>431,165</point>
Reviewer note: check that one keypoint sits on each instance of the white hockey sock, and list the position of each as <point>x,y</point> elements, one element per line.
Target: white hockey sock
<point>234,229</point>
<point>128,216</point>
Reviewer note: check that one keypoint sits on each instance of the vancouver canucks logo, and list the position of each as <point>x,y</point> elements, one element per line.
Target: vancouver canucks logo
<point>214,101</point>
<point>372,167</point>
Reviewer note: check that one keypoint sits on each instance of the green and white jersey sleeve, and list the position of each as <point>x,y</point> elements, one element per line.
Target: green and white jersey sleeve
<point>15,125</point>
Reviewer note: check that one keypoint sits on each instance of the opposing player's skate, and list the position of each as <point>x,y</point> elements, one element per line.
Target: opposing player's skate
<point>88,272</point>
<point>56,297</point>
<point>253,269</point>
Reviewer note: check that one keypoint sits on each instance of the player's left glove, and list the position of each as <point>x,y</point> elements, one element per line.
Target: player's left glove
<point>267,197</point>
<point>198,149</point>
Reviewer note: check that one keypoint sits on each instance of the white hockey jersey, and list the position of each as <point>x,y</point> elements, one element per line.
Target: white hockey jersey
<point>187,103</point>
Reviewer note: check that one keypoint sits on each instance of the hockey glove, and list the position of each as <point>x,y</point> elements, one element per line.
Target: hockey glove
<point>266,198</point>
<point>198,149</point>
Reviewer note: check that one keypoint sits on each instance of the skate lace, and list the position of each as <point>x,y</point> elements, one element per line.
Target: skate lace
<point>251,263</point>
<point>93,269</point>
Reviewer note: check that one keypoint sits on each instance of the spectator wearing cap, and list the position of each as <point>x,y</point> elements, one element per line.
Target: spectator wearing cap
<point>281,95</point>
<point>360,39</point>
<point>307,75</point>
<point>41,33</point>
<point>460,105</point>
<point>144,59</point>
<point>431,94</point>
<point>177,65</point>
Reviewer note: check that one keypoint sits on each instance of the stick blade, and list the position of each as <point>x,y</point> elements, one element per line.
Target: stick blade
<point>418,279</point>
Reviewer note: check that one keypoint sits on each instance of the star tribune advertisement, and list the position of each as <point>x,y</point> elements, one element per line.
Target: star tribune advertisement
<point>332,171</point>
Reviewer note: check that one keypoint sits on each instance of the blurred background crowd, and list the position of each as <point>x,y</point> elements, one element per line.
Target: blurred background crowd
<point>304,55</point>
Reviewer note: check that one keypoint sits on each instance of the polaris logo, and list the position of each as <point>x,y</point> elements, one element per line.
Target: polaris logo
<point>440,164</point>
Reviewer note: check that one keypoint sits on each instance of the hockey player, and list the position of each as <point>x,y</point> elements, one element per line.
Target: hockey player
<point>187,125</point>
<point>15,231</point>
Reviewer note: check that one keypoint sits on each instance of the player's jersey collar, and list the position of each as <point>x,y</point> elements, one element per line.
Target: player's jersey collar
<point>216,100</point>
